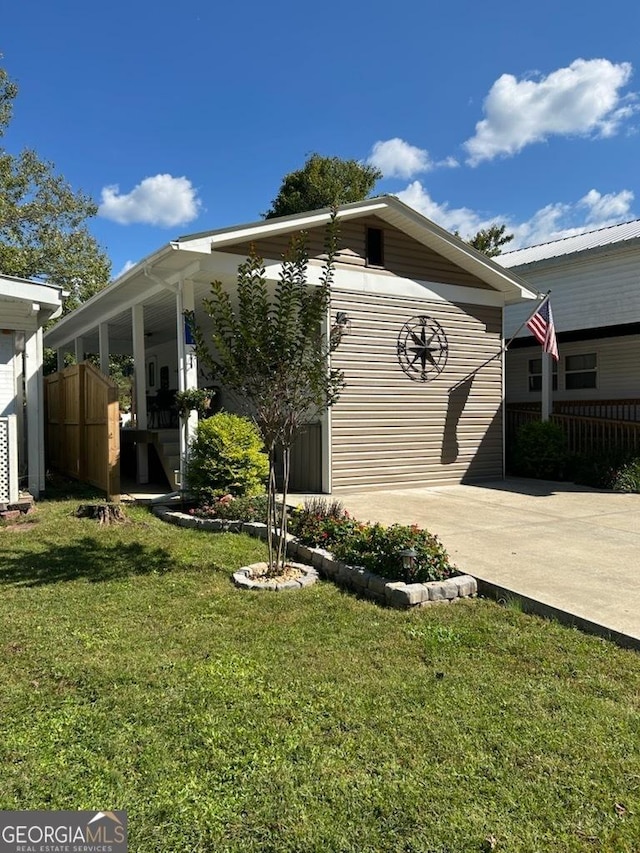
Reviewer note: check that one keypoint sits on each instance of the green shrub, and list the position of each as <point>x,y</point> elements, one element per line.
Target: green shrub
<point>598,469</point>
<point>226,457</point>
<point>540,450</point>
<point>627,477</point>
<point>377,549</point>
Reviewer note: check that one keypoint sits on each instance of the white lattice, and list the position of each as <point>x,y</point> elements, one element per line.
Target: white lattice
<point>8,462</point>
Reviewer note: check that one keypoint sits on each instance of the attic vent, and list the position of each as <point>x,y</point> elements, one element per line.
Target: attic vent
<point>375,247</point>
<point>8,460</point>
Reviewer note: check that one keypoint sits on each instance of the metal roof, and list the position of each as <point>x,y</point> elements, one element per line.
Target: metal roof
<point>601,238</point>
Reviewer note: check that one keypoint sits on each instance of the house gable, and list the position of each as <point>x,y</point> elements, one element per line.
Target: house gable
<point>404,256</point>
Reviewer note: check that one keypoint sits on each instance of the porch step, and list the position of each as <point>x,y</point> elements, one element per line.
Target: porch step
<point>167,447</point>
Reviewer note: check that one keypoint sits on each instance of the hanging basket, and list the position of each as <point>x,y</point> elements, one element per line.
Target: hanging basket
<point>195,399</point>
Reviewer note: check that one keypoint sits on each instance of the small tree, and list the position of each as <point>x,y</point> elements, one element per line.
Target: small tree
<point>490,241</point>
<point>271,352</point>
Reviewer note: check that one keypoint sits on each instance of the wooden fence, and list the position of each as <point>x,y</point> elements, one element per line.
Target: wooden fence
<point>82,418</point>
<point>590,426</point>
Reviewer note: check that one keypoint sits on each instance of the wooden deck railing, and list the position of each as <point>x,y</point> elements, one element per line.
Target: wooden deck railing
<point>589,425</point>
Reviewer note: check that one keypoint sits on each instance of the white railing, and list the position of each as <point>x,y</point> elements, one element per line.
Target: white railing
<point>8,460</point>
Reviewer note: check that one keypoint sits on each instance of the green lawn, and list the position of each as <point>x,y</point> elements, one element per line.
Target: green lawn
<point>135,676</point>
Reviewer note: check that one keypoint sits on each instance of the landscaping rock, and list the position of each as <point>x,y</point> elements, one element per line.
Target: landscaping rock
<point>376,588</point>
<point>436,591</point>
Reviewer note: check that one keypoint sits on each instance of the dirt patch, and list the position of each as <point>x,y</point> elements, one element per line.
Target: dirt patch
<point>260,572</point>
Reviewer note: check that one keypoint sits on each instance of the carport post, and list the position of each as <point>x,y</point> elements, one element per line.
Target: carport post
<point>140,384</point>
<point>546,386</point>
<point>187,368</point>
<point>103,347</point>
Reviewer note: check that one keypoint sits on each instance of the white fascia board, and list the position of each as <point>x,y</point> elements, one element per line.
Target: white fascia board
<point>49,298</point>
<point>275,227</point>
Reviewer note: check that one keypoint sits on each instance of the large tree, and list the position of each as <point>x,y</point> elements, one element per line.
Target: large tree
<point>43,232</point>
<point>323,182</point>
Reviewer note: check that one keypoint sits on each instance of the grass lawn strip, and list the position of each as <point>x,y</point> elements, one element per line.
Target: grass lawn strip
<point>136,676</point>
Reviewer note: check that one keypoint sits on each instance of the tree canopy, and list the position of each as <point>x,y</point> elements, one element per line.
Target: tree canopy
<point>43,231</point>
<point>323,182</point>
<point>490,241</point>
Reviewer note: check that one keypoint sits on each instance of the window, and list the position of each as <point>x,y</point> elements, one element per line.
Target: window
<point>375,247</point>
<point>164,378</point>
<point>580,371</point>
<point>535,374</point>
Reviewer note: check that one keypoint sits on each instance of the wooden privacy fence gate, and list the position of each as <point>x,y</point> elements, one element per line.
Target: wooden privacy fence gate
<point>82,419</point>
<point>589,425</point>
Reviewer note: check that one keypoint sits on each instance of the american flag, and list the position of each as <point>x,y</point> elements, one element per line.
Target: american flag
<point>541,324</point>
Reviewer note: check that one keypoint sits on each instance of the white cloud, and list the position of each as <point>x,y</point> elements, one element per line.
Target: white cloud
<point>552,222</point>
<point>583,98</point>
<point>159,200</point>
<point>462,219</point>
<point>607,207</point>
<point>398,159</point>
<point>125,268</point>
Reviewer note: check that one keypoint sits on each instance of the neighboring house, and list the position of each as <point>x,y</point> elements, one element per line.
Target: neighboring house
<point>424,395</point>
<point>25,307</point>
<point>594,279</point>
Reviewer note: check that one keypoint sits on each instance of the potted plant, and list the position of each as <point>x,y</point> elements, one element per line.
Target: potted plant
<point>198,399</point>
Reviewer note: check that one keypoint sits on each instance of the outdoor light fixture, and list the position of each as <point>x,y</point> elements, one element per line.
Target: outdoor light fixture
<point>343,322</point>
<point>409,562</point>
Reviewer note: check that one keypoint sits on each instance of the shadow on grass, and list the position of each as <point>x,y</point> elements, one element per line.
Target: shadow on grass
<point>88,559</point>
<point>61,488</point>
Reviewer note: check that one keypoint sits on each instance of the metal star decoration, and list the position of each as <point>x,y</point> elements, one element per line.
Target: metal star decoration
<point>422,348</point>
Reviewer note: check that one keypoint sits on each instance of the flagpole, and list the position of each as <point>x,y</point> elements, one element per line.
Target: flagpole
<point>505,347</point>
<point>544,299</point>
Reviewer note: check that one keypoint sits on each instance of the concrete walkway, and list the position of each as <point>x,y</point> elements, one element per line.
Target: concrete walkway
<point>565,550</point>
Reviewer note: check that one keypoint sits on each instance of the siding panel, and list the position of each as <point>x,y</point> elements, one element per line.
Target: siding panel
<point>618,372</point>
<point>390,431</point>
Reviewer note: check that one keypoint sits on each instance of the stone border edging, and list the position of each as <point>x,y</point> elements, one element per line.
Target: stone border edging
<point>244,578</point>
<point>393,593</point>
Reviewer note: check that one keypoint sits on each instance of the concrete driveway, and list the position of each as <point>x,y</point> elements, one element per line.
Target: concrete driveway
<point>565,550</point>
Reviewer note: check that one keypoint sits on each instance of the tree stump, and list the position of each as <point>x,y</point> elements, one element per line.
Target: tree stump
<point>107,513</point>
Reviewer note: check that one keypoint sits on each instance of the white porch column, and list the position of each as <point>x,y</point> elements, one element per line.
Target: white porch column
<point>187,368</point>
<point>547,379</point>
<point>103,347</point>
<point>140,385</point>
<point>41,426</point>
<point>79,350</point>
<point>60,354</point>
<point>34,411</point>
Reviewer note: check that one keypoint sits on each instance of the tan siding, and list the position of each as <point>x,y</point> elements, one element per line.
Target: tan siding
<point>618,373</point>
<point>390,431</point>
<point>403,256</point>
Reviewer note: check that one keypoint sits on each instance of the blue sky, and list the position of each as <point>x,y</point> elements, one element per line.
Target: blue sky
<point>179,118</point>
